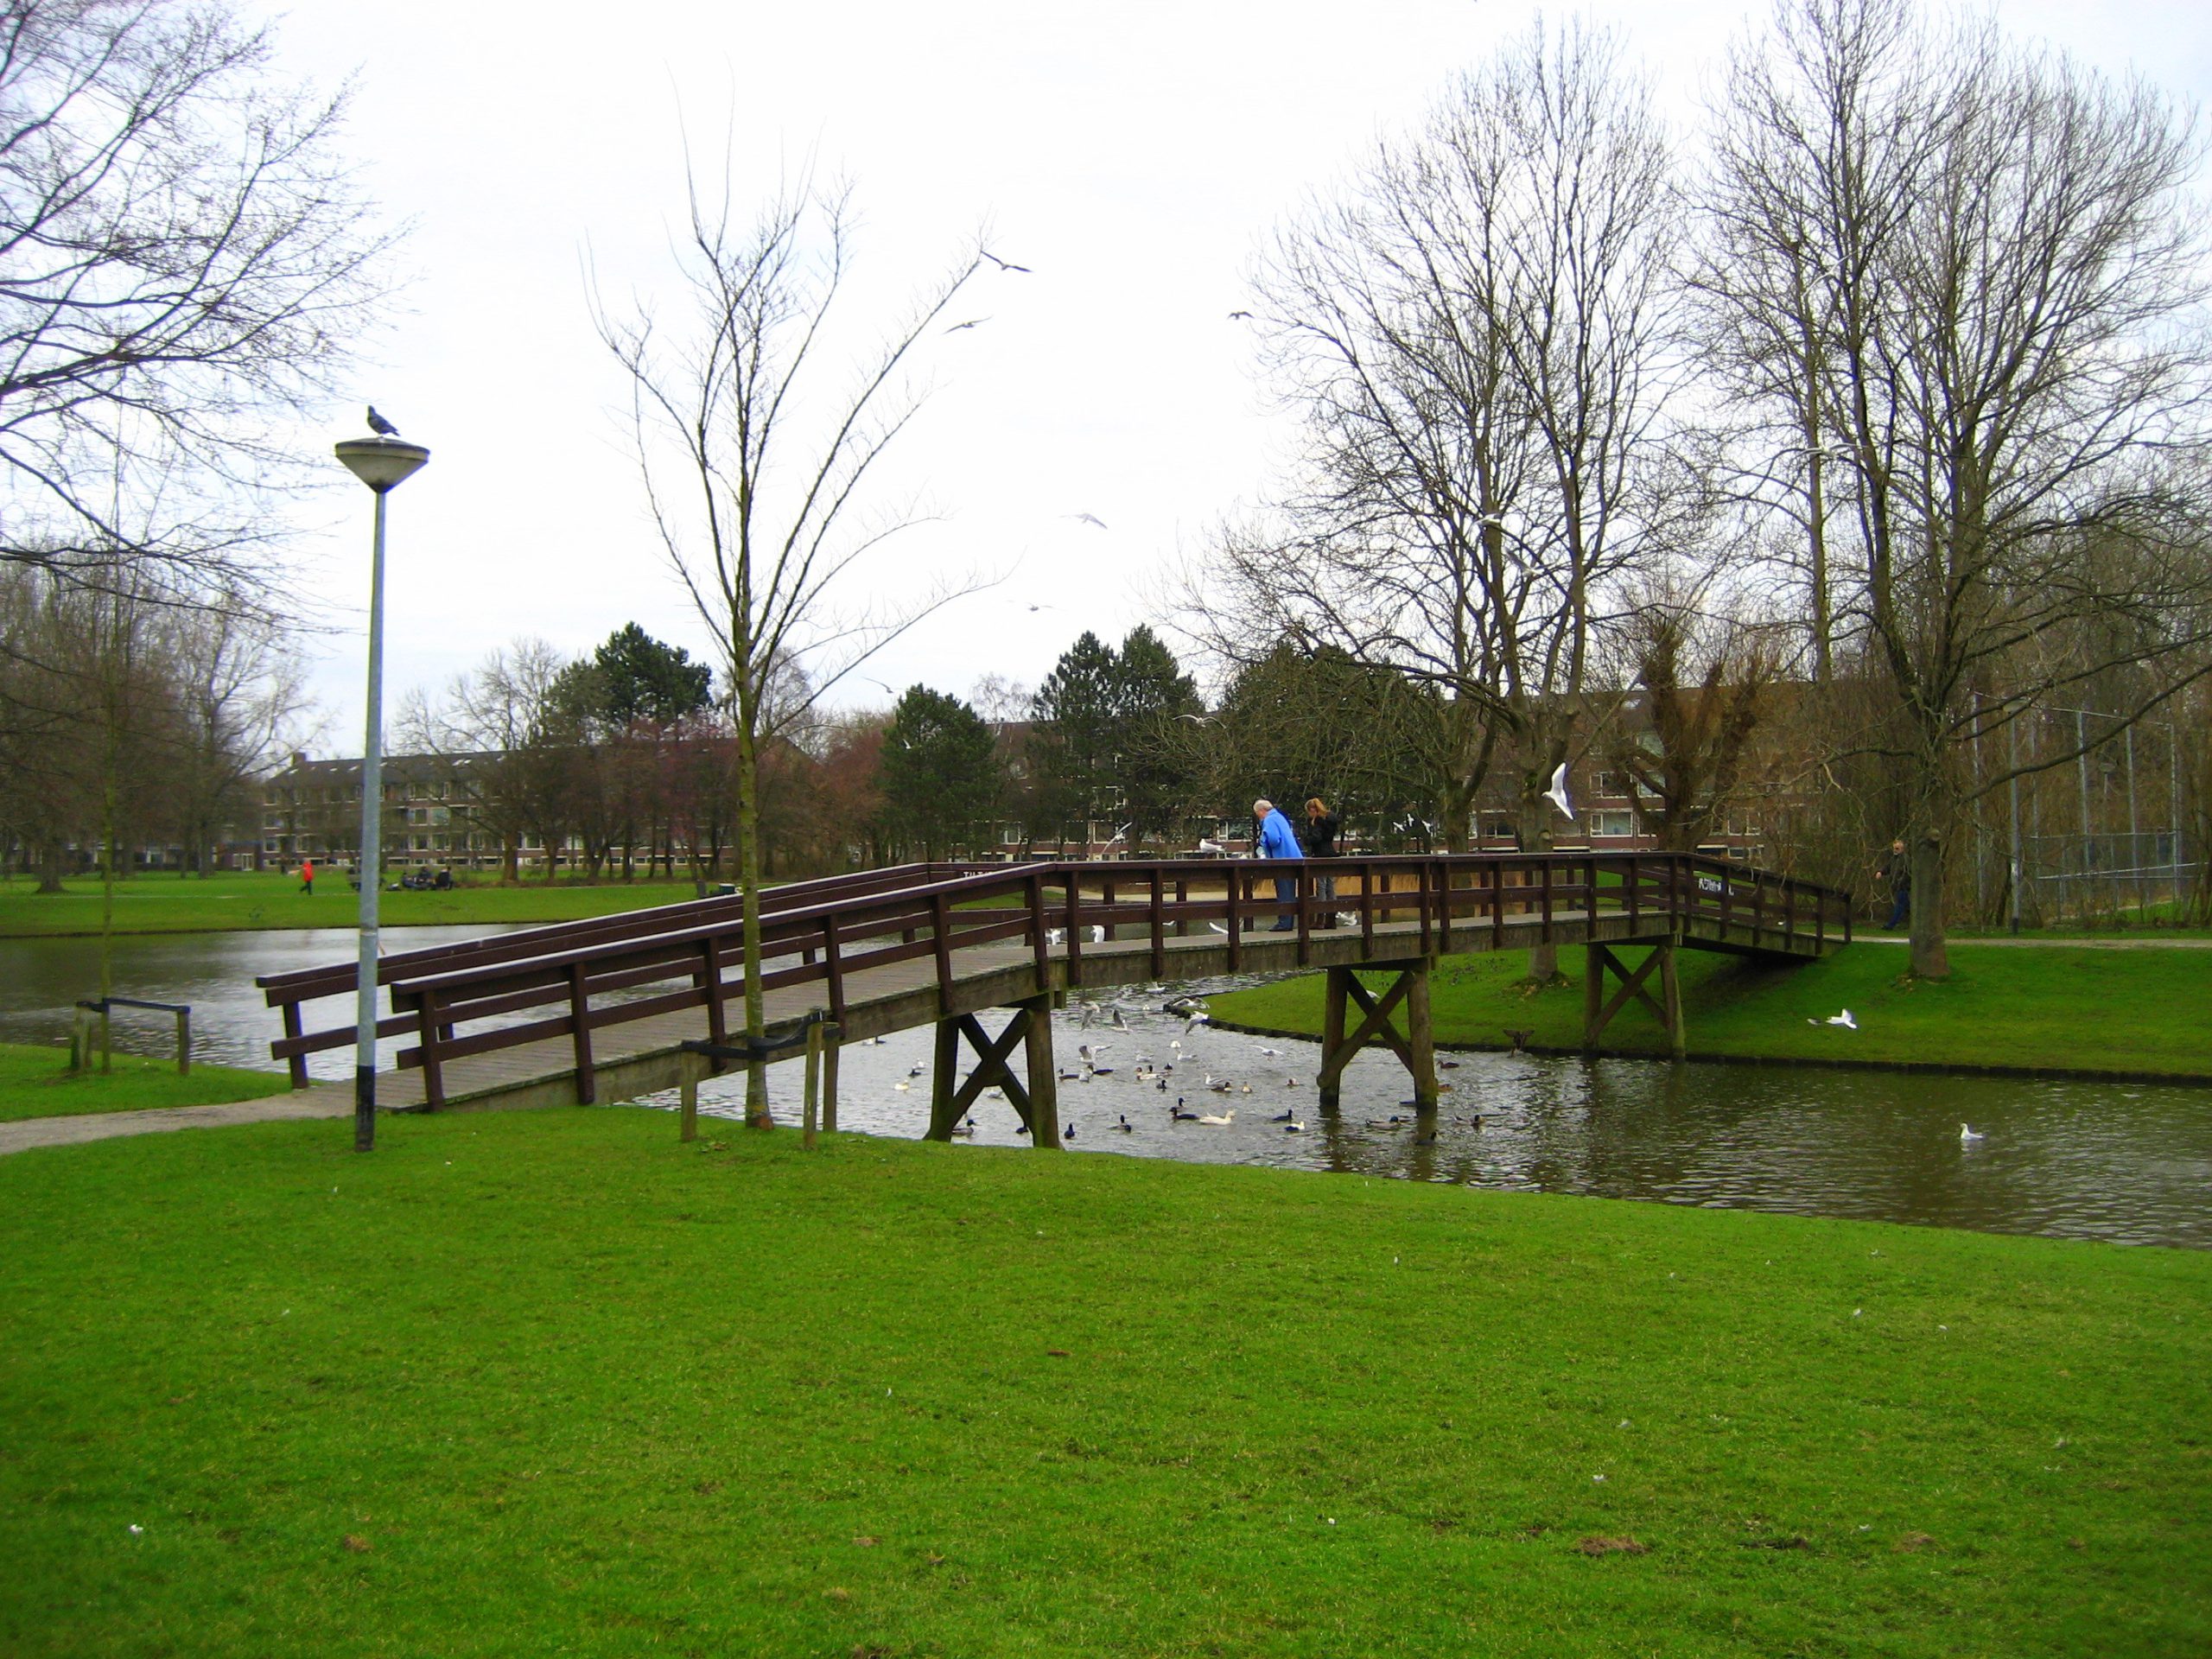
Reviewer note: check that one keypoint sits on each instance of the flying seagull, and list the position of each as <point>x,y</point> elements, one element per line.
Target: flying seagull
<point>1006,265</point>
<point>1236,316</point>
<point>380,425</point>
<point>1088,518</point>
<point>971,323</point>
<point>1557,793</point>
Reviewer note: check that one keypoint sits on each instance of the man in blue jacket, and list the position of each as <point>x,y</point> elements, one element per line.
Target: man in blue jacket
<point>1278,840</point>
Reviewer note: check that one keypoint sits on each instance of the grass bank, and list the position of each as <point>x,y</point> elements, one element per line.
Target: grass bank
<point>551,1382</point>
<point>2059,1007</point>
<point>170,904</point>
<point>33,1083</point>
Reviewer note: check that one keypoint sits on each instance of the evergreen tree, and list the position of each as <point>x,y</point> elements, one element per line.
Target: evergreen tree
<point>1072,747</point>
<point>641,678</point>
<point>939,774</point>
<point>1152,695</point>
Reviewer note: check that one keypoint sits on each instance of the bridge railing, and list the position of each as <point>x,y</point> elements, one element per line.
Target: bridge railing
<point>575,979</point>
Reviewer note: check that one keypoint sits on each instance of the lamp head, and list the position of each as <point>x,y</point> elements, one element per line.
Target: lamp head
<point>381,463</point>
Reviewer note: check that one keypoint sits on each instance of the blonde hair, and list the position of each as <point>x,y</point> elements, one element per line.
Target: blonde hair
<point>1317,805</point>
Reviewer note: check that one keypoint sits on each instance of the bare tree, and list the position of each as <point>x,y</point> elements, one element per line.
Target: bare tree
<point>1703,682</point>
<point>240,689</point>
<point>1968,274</point>
<point>758,466</point>
<point>509,721</point>
<point>1476,336</point>
<point>183,259</point>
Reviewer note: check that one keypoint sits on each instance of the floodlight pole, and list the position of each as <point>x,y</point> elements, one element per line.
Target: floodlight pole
<point>380,463</point>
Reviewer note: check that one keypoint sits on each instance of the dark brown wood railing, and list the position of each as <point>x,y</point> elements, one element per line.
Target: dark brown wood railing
<point>680,956</point>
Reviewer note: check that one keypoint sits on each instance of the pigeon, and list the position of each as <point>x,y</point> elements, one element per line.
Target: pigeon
<point>1557,793</point>
<point>380,425</point>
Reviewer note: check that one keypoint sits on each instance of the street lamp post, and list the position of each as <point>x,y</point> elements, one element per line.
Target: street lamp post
<point>382,463</point>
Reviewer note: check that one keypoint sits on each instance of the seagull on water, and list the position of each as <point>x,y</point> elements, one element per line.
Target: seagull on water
<point>1968,1135</point>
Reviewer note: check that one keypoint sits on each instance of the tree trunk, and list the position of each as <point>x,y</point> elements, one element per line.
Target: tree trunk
<point>748,882</point>
<point>1536,837</point>
<point>1931,959</point>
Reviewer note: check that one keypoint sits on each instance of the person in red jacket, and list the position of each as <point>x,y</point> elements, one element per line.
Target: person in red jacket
<point>307,876</point>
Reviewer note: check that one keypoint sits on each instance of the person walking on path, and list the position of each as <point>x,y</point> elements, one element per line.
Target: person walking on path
<point>1278,840</point>
<point>1897,870</point>
<point>1320,838</point>
<point>306,877</point>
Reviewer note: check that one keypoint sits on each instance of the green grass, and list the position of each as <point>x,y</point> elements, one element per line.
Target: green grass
<point>525,1384</point>
<point>35,1082</point>
<point>2077,1009</point>
<point>170,904</point>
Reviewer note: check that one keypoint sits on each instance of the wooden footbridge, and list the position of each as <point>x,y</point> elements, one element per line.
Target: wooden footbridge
<point>614,1008</point>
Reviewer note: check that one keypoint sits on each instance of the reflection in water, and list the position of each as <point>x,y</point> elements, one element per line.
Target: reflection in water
<point>2120,1161</point>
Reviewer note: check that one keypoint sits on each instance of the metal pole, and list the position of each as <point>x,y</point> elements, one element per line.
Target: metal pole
<point>2081,771</point>
<point>2173,811</point>
<point>365,1021</point>
<point>2134,829</point>
<point>1980,834</point>
<point>2012,732</point>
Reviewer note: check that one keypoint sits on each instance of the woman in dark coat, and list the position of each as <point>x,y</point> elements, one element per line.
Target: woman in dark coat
<point>1318,836</point>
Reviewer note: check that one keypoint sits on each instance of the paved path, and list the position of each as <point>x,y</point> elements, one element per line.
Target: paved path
<point>331,1100</point>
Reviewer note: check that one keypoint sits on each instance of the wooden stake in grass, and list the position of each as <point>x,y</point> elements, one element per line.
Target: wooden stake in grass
<point>813,1081</point>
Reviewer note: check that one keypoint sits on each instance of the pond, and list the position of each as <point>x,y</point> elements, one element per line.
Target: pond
<point>2125,1162</point>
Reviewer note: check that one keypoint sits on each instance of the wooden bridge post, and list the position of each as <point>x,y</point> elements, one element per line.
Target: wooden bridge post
<point>942,1082</point>
<point>1597,1011</point>
<point>1043,1081</point>
<point>1332,1037</point>
<point>1420,1034</point>
<point>1670,994</point>
<point>1416,1049</point>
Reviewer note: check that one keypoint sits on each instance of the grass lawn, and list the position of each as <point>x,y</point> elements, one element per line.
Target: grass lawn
<point>2080,1009</point>
<point>170,904</point>
<point>33,1084</point>
<point>551,1383</point>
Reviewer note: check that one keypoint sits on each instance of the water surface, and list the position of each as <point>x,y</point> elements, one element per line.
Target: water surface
<point>2128,1162</point>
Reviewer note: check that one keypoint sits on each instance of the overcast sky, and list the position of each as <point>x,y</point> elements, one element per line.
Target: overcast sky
<point>1133,155</point>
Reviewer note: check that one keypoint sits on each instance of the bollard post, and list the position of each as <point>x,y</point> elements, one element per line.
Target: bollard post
<point>184,1042</point>
<point>813,1081</point>
<point>690,1116</point>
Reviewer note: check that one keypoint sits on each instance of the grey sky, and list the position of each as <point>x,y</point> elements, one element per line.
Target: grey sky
<point>1133,155</point>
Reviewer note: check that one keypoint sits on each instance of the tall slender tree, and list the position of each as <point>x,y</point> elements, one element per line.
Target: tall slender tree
<point>758,466</point>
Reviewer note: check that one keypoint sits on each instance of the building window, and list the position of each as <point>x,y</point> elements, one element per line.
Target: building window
<point>1609,783</point>
<point>1613,824</point>
<point>1010,835</point>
